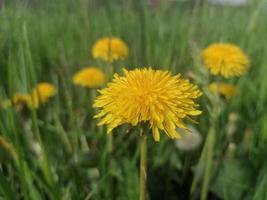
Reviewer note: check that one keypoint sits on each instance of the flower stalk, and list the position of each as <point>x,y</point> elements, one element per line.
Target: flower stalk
<point>205,158</point>
<point>208,167</point>
<point>207,153</point>
<point>143,166</point>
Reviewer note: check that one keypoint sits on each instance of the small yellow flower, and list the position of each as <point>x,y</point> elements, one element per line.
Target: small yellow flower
<point>40,95</point>
<point>89,77</point>
<point>147,95</point>
<point>110,49</point>
<point>18,101</point>
<point>227,90</point>
<point>226,60</point>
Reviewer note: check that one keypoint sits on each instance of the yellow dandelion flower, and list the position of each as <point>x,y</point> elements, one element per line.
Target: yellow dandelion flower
<point>89,77</point>
<point>227,90</point>
<point>18,101</point>
<point>110,49</point>
<point>40,94</point>
<point>226,60</point>
<point>147,95</point>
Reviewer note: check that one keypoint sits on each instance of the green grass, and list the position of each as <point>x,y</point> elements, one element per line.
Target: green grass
<point>50,41</point>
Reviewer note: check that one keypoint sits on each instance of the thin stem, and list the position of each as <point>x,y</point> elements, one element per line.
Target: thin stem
<point>109,142</point>
<point>208,167</point>
<point>143,164</point>
<point>200,162</point>
<point>206,156</point>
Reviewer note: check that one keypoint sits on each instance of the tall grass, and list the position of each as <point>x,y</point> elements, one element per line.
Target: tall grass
<point>49,41</point>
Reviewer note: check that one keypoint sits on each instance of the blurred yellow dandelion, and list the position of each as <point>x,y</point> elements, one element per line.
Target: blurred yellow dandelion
<point>147,95</point>
<point>110,49</point>
<point>227,90</point>
<point>18,101</point>
<point>89,77</point>
<point>227,60</point>
<point>40,94</point>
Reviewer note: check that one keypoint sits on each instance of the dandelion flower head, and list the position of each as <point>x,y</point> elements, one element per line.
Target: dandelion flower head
<point>227,60</point>
<point>227,90</point>
<point>89,77</point>
<point>147,95</point>
<point>40,94</point>
<point>18,101</point>
<point>110,49</point>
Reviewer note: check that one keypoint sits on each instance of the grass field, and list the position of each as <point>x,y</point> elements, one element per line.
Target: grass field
<point>58,152</point>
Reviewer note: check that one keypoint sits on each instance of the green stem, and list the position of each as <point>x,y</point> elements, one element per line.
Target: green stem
<point>200,162</point>
<point>109,142</point>
<point>143,165</point>
<point>208,167</point>
<point>207,151</point>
